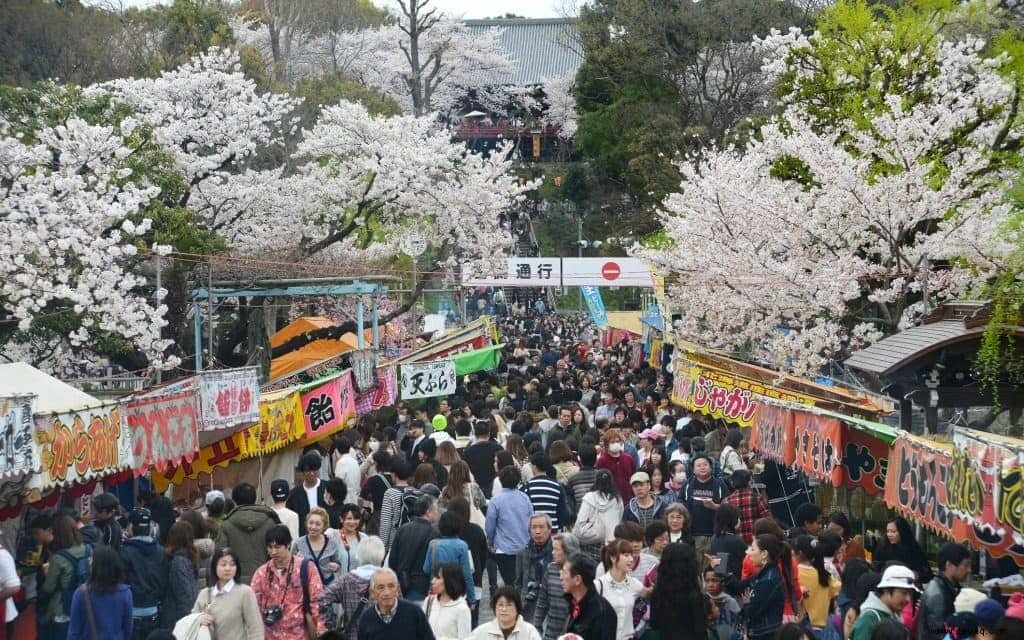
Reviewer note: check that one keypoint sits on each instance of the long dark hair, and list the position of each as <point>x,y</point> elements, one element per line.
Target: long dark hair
<point>604,485</point>
<point>780,553</point>
<point>804,545</point>
<point>107,570</point>
<point>677,601</point>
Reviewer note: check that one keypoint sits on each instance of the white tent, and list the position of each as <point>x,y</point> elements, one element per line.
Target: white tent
<point>52,395</point>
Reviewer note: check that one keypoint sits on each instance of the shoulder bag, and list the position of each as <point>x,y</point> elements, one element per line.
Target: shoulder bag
<point>94,633</point>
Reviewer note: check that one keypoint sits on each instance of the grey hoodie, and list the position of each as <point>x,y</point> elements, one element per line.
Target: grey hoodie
<point>872,612</point>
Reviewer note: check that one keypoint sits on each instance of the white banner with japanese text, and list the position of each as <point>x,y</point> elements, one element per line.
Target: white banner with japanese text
<point>427,379</point>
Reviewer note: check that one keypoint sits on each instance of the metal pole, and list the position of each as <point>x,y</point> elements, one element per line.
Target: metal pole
<point>376,329</point>
<point>197,325</point>
<point>413,294</point>
<point>360,339</point>
<point>210,302</point>
<point>159,285</point>
<point>579,247</point>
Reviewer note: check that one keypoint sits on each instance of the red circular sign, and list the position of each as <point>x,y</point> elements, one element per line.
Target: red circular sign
<point>610,271</point>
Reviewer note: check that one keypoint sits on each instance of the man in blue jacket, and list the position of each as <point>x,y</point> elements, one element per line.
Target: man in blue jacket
<point>145,568</point>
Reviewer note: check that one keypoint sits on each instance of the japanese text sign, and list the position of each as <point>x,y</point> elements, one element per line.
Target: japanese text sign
<point>80,445</point>
<point>520,272</point>
<point>19,454</point>
<point>384,395</point>
<point>326,408</point>
<point>916,483</point>
<point>164,429</point>
<point>280,424</point>
<point>865,460</point>
<point>229,398</point>
<point>818,447</point>
<point>427,379</point>
<point>218,454</point>
<point>772,435</point>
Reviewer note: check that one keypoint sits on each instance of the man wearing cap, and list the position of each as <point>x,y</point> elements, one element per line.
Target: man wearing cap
<point>245,529</point>
<point>104,528</point>
<point>310,493</point>
<point>643,508</point>
<point>886,601</point>
<point>145,570</point>
<point>279,494</point>
<point>940,593</point>
<point>440,429</point>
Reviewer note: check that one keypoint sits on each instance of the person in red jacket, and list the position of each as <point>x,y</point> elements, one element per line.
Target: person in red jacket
<point>616,461</point>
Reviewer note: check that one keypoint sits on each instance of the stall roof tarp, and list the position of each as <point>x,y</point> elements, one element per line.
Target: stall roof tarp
<point>627,321</point>
<point>478,360</point>
<point>311,354</point>
<point>298,327</point>
<point>52,395</point>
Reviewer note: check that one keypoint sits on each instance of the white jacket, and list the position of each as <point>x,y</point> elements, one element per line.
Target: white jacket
<point>490,631</point>
<point>449,621</point>
<point>597,515</point>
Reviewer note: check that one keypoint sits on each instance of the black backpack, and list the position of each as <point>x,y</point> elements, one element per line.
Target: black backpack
<point>409,497</point>
<point>79,575</point>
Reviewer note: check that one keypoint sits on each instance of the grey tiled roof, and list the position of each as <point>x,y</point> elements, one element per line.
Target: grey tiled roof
<point>543,48</point>
<point>890,353</point>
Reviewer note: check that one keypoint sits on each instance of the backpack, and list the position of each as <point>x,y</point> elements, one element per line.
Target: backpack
<point>409,497</point>
<point>79,575</point>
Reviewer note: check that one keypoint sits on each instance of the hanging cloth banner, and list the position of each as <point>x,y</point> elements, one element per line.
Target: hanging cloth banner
<point>327,407</point>
<point>427,379</point>
<point>280,424</point>
<point>218,454</point>
<point>916,483</point>
<point>985,489</point>
<point>164,429</point>
<point>865,460</point>
<point>229,398</point>
<point>385,395</point>
<point>772,434</point>
<point>19,454</point>
<point>76,446</point>
<point>592,296</point>
<point>818,446</point>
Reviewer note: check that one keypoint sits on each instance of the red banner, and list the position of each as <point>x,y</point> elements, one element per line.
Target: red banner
<point>818,446</point>
<point>916,483</point>
<point>772,435</point>
<point>865,460</point>
<point>327,407</point>
<point>385,395</point>
<point>165,430</point>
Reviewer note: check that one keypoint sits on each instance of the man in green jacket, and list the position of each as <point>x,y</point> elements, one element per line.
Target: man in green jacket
<point>886,601</point>
<point>245,528</point>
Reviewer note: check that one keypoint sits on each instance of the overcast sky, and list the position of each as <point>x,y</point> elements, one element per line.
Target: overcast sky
<point>455,8</point>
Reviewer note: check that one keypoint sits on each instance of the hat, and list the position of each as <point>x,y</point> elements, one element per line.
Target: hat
<point>105,502</point>
<point>961,625</point>
<point>1015,607</point>
<point>639,476</point>
<point>416,423</point>
<point>898,577</point>
<point>440,422</point>
<point>988,611</point>
<point>309,462</point>
<point>430,489</point>
<point>279,489</point>
<point>967,599</point>
<point>213,495</point>
<point>141,521</point>
<point>650,434</point>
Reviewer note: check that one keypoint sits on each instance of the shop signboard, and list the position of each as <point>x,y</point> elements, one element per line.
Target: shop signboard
<point>384,395</point>
<point>327,407</point>
<point>916,483</point>
<point>218,454</point>
<point>985,489</point>
<point>724,395</point>
<point>427,379</point>
<point>164,430</point>
<point>281,423</point>
<point>818,446</point>
<point>19,454</point>
<point>229,398</point>
<point>83,444</point>
<point>519,272</point>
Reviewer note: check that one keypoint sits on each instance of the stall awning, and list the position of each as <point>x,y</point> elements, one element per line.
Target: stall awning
<point>883,432</point>
<point>478,360</point>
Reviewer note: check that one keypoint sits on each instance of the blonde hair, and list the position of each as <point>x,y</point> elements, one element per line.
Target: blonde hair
<point>319,511</point>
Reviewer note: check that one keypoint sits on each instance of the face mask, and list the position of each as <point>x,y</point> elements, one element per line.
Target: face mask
<point>615,447</point>
<point>374,445</point>
<point>680,477</point>
<point>402,418</point>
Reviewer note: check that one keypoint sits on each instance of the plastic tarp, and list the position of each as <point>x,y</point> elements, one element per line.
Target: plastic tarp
<point>477,360</point>
<point>52,395</point>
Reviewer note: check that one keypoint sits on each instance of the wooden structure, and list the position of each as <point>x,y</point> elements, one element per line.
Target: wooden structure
<point>934,364</point>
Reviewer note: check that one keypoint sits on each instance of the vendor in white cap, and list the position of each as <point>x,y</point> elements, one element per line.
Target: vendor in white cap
<point>886,601</point>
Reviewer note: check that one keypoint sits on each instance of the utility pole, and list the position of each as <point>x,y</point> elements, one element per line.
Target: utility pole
<point>159,285</point>
<point>579,250</point>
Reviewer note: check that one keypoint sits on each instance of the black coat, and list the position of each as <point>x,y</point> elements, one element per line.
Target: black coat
<point>408,551</point>
<point>299,503</point>
<point>480,458</point>
<point>596,620</point>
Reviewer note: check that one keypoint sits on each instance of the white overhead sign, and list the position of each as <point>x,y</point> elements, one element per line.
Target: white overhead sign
<point>567,272</point>
<point>427,379</point>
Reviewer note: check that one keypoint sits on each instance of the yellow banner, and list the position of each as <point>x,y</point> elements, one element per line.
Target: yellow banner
<point>724,395</point>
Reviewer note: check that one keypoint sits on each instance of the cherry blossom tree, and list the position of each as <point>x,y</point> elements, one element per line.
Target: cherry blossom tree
<point>817,237</point>
<point>71,204</point>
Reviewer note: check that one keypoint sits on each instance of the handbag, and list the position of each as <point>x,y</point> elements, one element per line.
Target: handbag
<point>189,628</point>
<point>591,530</point>
<point>94,633</point>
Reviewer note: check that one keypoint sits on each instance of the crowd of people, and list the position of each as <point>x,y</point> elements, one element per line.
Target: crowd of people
<point>564,485</point>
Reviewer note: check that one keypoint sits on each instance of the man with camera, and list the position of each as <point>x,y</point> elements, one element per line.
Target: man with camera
<point>287,588</point>
<point>532,562</point>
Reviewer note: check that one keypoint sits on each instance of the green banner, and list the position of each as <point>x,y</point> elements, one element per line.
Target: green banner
<point>477,360</point>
